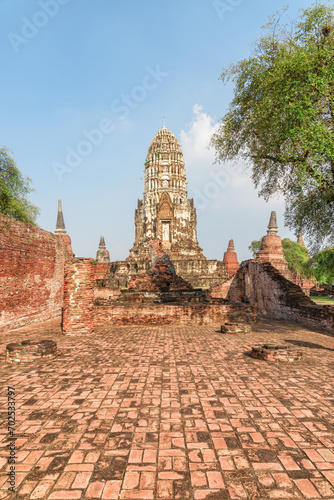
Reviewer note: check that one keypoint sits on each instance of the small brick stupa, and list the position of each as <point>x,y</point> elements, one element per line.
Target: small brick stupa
<point>272,249</point>
<point>231,259</point>
<point>102,255</point>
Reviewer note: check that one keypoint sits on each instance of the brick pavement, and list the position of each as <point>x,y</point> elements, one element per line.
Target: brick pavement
<point>171,413</point>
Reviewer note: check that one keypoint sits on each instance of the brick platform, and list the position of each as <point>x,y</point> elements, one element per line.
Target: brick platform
<point>171,413</point>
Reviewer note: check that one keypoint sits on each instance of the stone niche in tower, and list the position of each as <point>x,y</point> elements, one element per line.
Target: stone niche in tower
<point>165,220</point>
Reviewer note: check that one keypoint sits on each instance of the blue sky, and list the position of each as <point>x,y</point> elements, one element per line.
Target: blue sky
<point>109,71</point>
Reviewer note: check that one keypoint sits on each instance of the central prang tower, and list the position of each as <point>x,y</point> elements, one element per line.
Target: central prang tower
<point>165,211</point>
<point>166,215</point>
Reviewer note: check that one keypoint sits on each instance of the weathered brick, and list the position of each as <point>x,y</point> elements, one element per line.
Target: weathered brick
<point>31,273</point>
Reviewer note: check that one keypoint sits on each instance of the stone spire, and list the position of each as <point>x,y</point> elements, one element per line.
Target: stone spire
<point>300,240</point>
<point>60,227</point>
<point>165,212</point>
<point>102,255</point>
<point>230,245</point>
<point>272,227</point>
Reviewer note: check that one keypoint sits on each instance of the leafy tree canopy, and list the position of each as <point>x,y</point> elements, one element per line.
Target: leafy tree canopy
<point>297,257</point>
<point>322,266</point>
<point>14,189</point>
<point>282,116</point>
<point>255,247</point>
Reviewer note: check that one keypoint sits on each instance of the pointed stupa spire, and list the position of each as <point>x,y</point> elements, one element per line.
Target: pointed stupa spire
<point>300,240</point>
<point>102,255</point>
<point>230,245</point>
<point>60,226</point>
<point>272,227</point>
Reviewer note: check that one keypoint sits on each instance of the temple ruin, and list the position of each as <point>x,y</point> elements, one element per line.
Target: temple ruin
<point>166,279</point>
<point>166,213</point>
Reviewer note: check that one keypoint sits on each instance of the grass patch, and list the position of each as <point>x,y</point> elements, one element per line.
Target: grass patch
<point>324,301</point>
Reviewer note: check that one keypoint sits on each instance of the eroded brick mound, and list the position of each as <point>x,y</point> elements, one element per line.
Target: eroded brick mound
<point>30,350</point>
<point>272,352</point>
<point>161,275</point>
<point>233,327</point>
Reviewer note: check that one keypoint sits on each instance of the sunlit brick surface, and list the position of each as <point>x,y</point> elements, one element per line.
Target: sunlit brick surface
<point>171,413</point>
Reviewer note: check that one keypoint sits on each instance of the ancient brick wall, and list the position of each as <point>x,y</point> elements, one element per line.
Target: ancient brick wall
<point>201,273</point>
<point>101,269</point>
<point>176,314</point>
<point>221,291</point>
<point>31,273</point>
<point>78,308</point>
<point>104,293</point>
<point>262,285</point>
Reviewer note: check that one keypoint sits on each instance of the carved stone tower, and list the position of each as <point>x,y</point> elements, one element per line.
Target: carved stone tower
<point>165,212</point>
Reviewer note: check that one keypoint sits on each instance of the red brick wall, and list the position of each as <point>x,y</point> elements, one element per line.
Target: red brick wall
<point>175,314</point>
<point>31,273</point>
<point>78,310</point>
<point>263,286</point>
<point>101,269</point>
<point>220,291</point>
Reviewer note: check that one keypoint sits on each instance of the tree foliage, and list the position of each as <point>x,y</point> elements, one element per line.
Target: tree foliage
<point>255,247</point>
<point>14,189</point>
<point>322,266</point>
<point>281,119</point>
<point>297,257</point>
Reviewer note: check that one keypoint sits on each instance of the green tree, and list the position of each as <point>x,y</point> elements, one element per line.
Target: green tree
<point>281,119</point>
<point>255,247</point>
<point>297,257</point>
<point>322,266</point>
<point>14,189</point>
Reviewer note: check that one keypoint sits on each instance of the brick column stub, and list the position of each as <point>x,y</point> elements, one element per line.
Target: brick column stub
<point>78,308</point>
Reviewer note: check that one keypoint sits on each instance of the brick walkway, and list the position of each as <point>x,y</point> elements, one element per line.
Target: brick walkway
<point>171,413</point>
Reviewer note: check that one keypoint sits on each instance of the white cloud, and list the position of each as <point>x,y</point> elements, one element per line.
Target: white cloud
<point>195,143</point>
<point>202,171</point>
<point>224,194</point>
